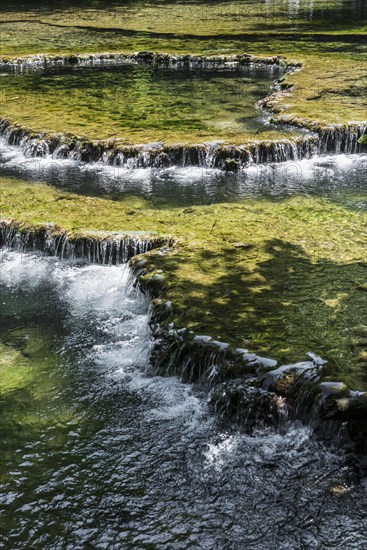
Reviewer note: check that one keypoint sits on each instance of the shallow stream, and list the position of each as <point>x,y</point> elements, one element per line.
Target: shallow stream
<point>98,453</point>
<point>140,103</point>
<point>97,450</point>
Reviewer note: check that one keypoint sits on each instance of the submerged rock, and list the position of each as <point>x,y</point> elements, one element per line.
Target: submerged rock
<point>231,165</point>
<point>249,407</point>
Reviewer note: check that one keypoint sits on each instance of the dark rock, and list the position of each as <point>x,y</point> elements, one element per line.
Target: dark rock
<point>249,407</point>
<point>73,59</point>
<point>350,412</point>
<point>231,165</point>
<point>145,56</point>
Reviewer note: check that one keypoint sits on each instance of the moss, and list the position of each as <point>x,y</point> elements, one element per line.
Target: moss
<point>330,88</point>
<point>185,26</point>
<point>327,90</point>
<point>140,104</point>
<point>140,108</point>
<point>292,288</point>
<point>14,369</point>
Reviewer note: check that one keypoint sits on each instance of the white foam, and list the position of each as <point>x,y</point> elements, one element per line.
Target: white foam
<point>217,454</point>
<point>22,270</point>
<point>283,174</point>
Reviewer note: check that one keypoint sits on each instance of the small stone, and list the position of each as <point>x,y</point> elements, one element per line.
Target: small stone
<point>243,246</point>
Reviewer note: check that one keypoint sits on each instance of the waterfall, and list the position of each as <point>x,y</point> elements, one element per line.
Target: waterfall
<point>253,391</point>
<point>342,138</point>
<point>243,387</point>
<point>228,62</point>
<point>332,139</point>
<point>104,248</point>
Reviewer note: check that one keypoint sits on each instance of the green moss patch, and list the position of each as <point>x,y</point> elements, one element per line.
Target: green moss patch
<point>91,26</point>
<point>281,278</point>
<point>140,103</point>
<point>327,90</point>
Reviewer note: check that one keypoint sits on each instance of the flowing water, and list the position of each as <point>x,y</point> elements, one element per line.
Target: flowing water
<point>321,188</point>
<point>340,178</point>
<point>98,453</point>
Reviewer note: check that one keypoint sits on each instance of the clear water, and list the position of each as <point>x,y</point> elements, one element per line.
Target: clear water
<point>140,103</point>
<point>183,26</point>
<point>98,453</point>
<point>340,178</point>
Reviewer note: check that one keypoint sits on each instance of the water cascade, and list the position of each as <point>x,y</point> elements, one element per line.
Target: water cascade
<point>114,457</point>
<point>243,387</point>
<point>105,248</point>
<point>251,391</point>
<point>316,139</point>
<point>206,155</point>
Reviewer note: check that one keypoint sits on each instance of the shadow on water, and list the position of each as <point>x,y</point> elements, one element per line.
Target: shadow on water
<point>99,455</point>
<point>290,303</point>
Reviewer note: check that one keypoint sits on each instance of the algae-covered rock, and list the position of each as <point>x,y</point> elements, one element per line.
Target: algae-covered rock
<point>249,407</point>
<point>231,165</point>
<point>352,413</point>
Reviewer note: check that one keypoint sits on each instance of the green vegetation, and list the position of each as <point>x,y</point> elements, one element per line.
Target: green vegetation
<point>26,366</point>
<point>278,277</point>
<point>287,277</point>
<point>58,27</point>
<point>140,104</point>
<point>328,90</point>
<point>327,37</point>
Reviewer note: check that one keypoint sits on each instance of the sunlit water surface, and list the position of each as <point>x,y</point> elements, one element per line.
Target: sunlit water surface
<point>340,178</point>
<point>98,453</point>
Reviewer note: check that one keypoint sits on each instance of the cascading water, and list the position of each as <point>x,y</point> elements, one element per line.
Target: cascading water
<point>323,174</point>
<point>99,454</point>
<point>307,138</point>
<point>106,248</point>
<point>206,155</point>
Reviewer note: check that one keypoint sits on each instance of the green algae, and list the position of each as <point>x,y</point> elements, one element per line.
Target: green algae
<point>134,22</point>
<point>328,37</point>
<point>13,367</point>
<point>31,375</point>
<point>281,278</point>
<point>140,104</point>
<point>327,90</point>
<point>27,368</point>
